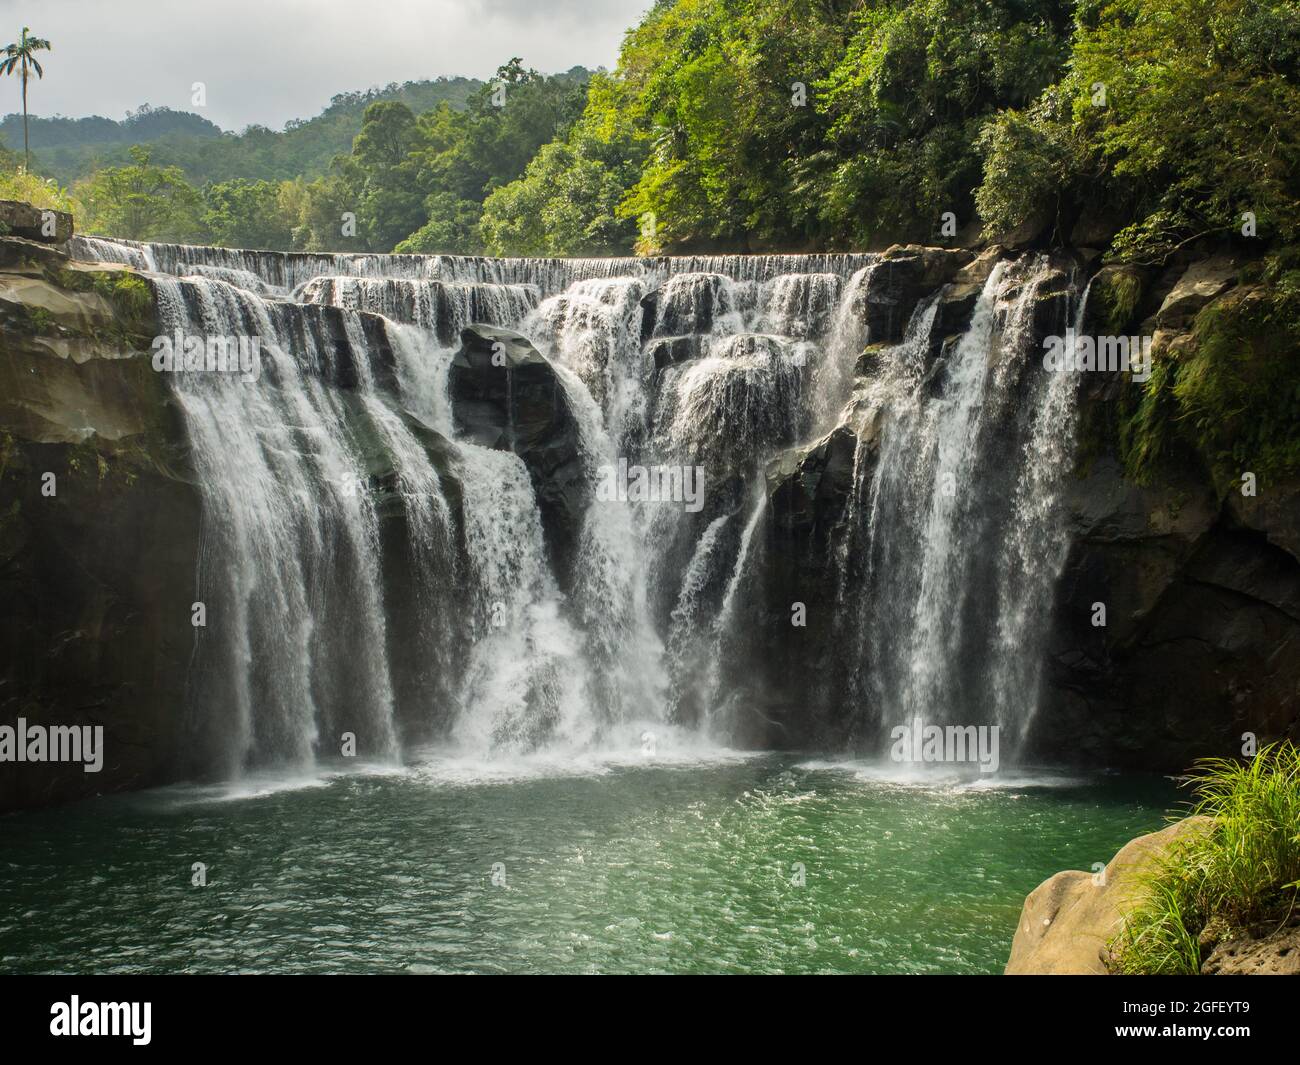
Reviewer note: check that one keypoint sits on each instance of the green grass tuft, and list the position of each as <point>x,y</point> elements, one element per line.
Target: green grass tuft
<point>1242,873</point>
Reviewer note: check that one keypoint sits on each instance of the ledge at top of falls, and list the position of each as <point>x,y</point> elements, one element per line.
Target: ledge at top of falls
<point>287,270</point>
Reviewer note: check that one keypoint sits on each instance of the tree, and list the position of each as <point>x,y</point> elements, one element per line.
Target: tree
<point>248,214</point>
<point>141,201</point>
<point>20,57</point>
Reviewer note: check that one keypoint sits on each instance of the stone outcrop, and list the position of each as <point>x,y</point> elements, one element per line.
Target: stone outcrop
<point>1069,919</point>
<point>20,219</point>
<point>506,396</point>
<point>99,525</point>
<point>1200,609</point>
<point>1273,952</point>
<point>1200,584</point>
<point>905,274</point>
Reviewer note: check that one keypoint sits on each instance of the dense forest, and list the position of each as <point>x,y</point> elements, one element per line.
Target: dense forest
<point>1133,125</point>
<point>68,149</point>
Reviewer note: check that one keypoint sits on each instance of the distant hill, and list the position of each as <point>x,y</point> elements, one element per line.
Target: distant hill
<point>69,148</point>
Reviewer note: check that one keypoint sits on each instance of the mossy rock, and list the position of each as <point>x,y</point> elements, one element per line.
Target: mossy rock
<point>1114,299</point>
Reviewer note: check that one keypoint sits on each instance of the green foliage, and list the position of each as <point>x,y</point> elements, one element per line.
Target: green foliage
<point>1232,395</point>
<point>17,184</point>
<point>129,294</point>
<point>418,183</point>
<point>1238,393</point>
<point>1180,114</point>
<point>756,124</point>
<point>452,227</point>
<point>247,214</point>
<point>567,200</point>
<point>772,125</point>
<point>71,148</point>
<point>1243,872</point>
<point>1114,294</point>
<point>141,201</point>
<point>1029,158</point>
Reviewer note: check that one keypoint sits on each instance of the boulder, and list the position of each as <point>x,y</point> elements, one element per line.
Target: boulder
<point>668,351</point>
<point>505,395</point>
<point>34,223</point>
<point>1068,920</point>
<point>904,275</point>
<point>1199,283</point>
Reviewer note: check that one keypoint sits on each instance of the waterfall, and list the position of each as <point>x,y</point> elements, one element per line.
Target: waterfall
<point>371,570</point>
<point>295,640</point>
<point>962,507</point>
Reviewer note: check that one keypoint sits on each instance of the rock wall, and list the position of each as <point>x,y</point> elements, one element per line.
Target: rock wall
<point>99,524</point>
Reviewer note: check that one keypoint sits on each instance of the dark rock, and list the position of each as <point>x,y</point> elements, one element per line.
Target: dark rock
<point>1196,614</point>
<point>686,304</point>
<point>809,491</point>
<point>34,223</point>
<point>956,302</point>
<point>903,276</point>
<point>96,580</point>
<point>1051,308</point>
<point>1274,511</point>
<point>667,351</point>
<point>1095,226</point>
<point>506,396</point>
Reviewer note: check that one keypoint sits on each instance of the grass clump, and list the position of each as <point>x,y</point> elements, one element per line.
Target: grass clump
<point>1243,873</point>
<point>130,295</point>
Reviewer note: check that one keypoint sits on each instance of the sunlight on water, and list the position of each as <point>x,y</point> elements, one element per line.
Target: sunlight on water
<point>697,861</point>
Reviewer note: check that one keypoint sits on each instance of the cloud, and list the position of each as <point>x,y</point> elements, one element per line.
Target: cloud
<point>267,62</point>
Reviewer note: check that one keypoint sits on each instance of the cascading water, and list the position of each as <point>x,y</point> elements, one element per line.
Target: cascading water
<point>371,569</point>
<point>961,504</point>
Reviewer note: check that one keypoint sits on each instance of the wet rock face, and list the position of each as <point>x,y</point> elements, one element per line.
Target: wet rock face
<point>906,274</point>
<point>1198,612</point>
<point>809,492</point>
<point>99,530</point>
<point>506,396</point>
<point>668,351</point>
<point>686,304</point>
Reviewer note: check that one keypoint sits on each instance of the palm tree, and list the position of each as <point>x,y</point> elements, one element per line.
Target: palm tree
<point>21,56</point>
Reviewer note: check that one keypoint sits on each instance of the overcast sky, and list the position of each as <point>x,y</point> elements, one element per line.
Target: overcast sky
<point>267,61</point>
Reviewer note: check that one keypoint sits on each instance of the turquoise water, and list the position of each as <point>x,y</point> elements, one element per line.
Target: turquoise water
<point>617,868</point>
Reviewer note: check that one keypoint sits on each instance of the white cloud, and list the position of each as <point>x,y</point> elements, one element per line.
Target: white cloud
<point>267,61</point>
